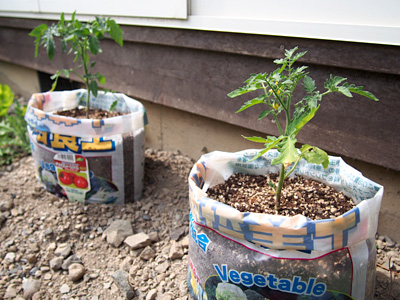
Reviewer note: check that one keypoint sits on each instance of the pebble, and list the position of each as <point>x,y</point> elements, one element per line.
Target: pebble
<point>116,233</point>
<point>10,258</point>
<point>64,289</point>
<point>121,279</point>
<point>76,272</point>
<point>11,292</point>
<point>152,294</point>
<point>56,263</point>
<point>70,260</point>
<point>30,287</point>
<point>176,251</point>
<point>137,241</point>
<point>63,250</point>
<point>147,253</point>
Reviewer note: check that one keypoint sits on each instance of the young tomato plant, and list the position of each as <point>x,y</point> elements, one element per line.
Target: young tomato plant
<point>277,95</point>
<point>83,41</point>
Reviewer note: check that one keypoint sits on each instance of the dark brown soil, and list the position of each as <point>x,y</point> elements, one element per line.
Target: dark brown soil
<point>80,113</point>
<point>251,193</point>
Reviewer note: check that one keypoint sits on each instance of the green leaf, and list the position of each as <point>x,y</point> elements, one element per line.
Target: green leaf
<point>315,155</point>
<point>37,33</point>
<point>101,78</point>
<point>6,99</point>
<point>288,152</point>
<point>257,139</point>
<point>333,82</point>
<point>269,143</point>
<point>360,90</point>
<point>115,32</point>
<point>94,88</point>
<point>309,84</point>
<point>113,105</point>
<point>264,114</point>
<point>242,90</point>
<point>94,44</point>
<point>250,103</point>
<point>297,123</point>
<point>345,91</point>
<point>49,43</point>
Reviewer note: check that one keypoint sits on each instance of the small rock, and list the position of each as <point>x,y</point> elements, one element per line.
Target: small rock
<point>30,287</point>
<point>56,263</point>
<point>76,272</point>
<point>380,244</point>
<point>6,205</point>
<point>70,260</point>
<point>389,242</point>
<point>177,233</point>
<point>64,289</point>
<point>139,240</point>
<point>185,242</point>
<point>10,258</point>
<point>151,295</point>
<point>175,251</point>
<point>11,292</point>
<point>121,279</point>
<point>147,253</point>
<point>31,258</point>
<point>162,268</point>
<point>126,264</point>
<point>117,232</point>
<point>154,236</point>
<point>63,250</point>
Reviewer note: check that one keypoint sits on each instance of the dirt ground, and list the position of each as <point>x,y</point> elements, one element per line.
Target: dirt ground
<point>45,241</point>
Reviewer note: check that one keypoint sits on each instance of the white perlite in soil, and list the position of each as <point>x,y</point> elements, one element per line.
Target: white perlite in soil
<point>53,249</point>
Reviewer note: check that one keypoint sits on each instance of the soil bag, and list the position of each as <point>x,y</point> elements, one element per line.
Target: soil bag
<point>236,255</point>
<point>88,160</point>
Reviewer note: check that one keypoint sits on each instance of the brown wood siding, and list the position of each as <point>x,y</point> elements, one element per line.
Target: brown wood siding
<point>194,70</point>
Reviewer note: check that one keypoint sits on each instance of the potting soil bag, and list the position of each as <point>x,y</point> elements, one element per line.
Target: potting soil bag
<point>237,255</point>
<point>87,160</point>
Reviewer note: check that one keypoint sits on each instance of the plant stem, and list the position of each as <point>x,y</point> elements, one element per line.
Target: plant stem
<point>87,80</point>
<point>279,188</point>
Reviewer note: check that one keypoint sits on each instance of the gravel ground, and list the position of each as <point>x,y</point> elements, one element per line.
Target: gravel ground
<point>53,249</point>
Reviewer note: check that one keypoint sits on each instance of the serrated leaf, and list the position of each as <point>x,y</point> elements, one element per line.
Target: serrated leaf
<point>37,33</point>
<point>315,155</point>
<point>345,91</point>
<point>113,105</point>
<point>256,139</point>
<point>264,114</point>
<point>269,143</point>
<point>94,44</point>
<point>333,82</point>
<point>360,90</point>
<point>297,123</point>
<point>115,32</point>
<point>288,152</point>
<point>94,88</point>
<point>250,103</point>
<point>49,43</point>
<point>242,90</point>
<point>309,84</point>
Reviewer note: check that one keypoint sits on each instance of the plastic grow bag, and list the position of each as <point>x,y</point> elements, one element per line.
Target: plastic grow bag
<point>235,255</point>
<point>87,160</point>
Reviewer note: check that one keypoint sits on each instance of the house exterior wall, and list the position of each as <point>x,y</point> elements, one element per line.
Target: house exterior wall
<point>182,76</point>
